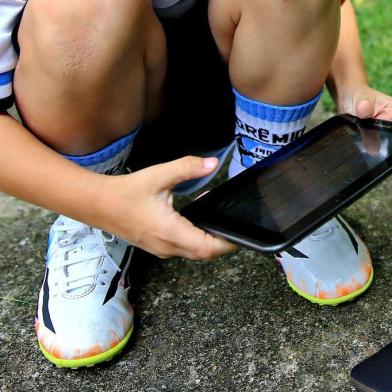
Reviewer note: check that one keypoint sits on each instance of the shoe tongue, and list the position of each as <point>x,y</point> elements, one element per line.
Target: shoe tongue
<point>71,222</point>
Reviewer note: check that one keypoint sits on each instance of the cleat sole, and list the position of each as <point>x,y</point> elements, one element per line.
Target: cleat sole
<point>90,361</point>
<point>332,301</point>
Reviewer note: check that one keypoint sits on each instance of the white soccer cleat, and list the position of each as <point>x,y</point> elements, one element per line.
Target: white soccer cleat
<point>84,316</point>
<point>329,267</point>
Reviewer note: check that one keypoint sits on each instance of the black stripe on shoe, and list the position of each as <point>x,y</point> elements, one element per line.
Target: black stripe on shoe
<point>296,253</point>
<point>127,281</point>
<point>114,284</point>
<point>45,304</point>
<point>350,234</point>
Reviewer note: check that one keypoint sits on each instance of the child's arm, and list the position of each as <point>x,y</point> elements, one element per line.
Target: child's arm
<point>136,207</point>
<point>348,82</point>
<point>33,172</point>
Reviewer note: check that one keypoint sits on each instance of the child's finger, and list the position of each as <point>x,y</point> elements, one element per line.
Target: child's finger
<point>196,243</point>
<point>365,109</point>
<point>168,175</point>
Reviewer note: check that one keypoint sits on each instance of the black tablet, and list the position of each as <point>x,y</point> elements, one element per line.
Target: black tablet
<point>374,373</point>
<point>280,200</point>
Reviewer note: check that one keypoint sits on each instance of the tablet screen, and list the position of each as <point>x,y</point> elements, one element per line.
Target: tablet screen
<point>287,190</point>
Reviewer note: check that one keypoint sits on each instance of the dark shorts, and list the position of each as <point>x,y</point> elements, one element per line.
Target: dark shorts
<point>199,104</point>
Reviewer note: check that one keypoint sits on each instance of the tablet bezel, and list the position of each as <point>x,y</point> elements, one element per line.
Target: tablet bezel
<point>249,235</point>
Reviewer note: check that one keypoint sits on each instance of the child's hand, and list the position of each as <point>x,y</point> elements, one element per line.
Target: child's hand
<point>364,102</point>
<point>138,208</point>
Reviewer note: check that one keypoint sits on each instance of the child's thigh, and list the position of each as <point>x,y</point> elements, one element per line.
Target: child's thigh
<point>278,51</point>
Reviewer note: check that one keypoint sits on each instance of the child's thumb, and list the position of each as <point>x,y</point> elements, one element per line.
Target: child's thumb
<point>364,109</point>
<point>172,173</point>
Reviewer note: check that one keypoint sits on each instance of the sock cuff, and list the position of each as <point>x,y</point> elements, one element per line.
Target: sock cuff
<point>6,77</point>
<point>106,154</point>
<point>275,113</point>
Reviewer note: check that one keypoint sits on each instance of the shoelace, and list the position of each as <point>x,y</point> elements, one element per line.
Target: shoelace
<point>79,244</point>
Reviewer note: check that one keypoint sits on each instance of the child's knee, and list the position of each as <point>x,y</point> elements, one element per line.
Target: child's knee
<point>74,36</point>
<point>280,47</point>
<point>84,63</point>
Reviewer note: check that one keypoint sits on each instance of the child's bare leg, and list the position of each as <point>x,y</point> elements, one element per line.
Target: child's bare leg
<point>278,51</point>
<point>279,54</point>
<point>89,72</point>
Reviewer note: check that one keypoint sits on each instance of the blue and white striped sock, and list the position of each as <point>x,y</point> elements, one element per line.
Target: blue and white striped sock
<point>262,129</point>
<point>6,84</point>
<point>111,159</point>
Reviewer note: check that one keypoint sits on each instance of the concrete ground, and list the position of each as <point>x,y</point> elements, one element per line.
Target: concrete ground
<point>228,325</point>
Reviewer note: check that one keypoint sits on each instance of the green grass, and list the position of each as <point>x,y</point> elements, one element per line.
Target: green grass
<point>375,24</point>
